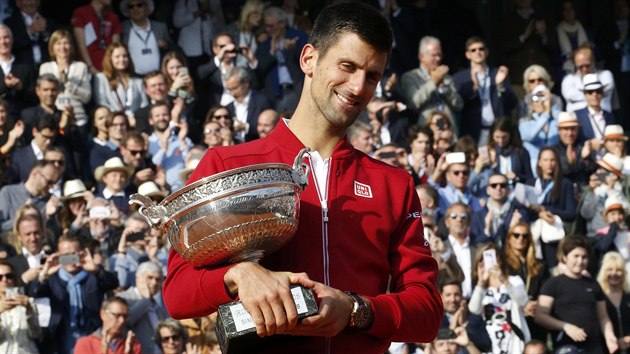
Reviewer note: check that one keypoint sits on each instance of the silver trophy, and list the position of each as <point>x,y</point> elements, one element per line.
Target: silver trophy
<point>233,216</point>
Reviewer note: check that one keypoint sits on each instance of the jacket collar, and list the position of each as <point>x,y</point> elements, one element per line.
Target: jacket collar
<point>286,140</point>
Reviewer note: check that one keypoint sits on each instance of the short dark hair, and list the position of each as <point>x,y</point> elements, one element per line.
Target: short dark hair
<point>158,104</point>
<point>445,281</point>
<point>413,132</point>
<point>472,40</point>
<point>111,300</point>
<point>46,121</point>
<point>351,17</point>
<point>571,242</point>
<point>151,75</point>
<point>49,78</point>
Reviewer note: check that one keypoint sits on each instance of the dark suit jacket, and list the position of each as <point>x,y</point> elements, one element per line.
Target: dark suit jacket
<point>22,160</point>
<point>398,127</point>
<point>586,129</point>
<point>257,103</point>
<point>476,330</point>
<point>478,223</point>
<point>502,101</point>
<point>20,265</point>
<point>22,42</point>
<point>581,169</point>
<point>19,99</point>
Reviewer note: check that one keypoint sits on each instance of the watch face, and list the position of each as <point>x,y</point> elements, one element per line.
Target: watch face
<point>361,316</point>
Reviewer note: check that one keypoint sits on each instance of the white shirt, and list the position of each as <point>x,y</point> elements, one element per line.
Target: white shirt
<point>37,52</point>
<point>39,154</point>
<point>572,91</point>
<point>143,49</point>
<point>34,260</point>
<point>240,112</point>
<point>598,123</point>
<point>6,65</point>
<point>464,259</point>
<point>107,193</point>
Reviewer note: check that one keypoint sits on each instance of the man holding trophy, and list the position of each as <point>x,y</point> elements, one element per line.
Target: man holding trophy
<point>359,245</point>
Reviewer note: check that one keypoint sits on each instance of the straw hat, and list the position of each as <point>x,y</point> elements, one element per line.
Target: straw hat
<point>591,82</point>
<point>125,10</point>
<point>614,202</point>
<point>150,189</point>
<point>612,163</point>
<point>567,120</point>
<point>113,164</point>
<point>614,131</point>
<point>191,164</point>
<point>73,189</point>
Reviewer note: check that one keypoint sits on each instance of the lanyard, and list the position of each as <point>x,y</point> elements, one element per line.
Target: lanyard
<point>541,197</point>
<point>144,40</point>
<point>594,122</point>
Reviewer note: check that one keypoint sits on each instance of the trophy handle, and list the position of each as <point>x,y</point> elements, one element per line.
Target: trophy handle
<point>154,214</point>
<point>301,169</point>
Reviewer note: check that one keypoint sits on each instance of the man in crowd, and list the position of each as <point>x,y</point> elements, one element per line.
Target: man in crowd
<point>44,133</point>
<point>486,91</point>
<point>133,154</point>
<point>457,172</point>
<point>267,120</point>
<point>42,177</point>
<point>360,137</point>
<point>157,91</point>
<point>430,87</point>
<point>146,308</point>
<point>573,84</point>
<point>16,78</point>
<point>342,66</point>
<point>577,159</point>
<point>30,235</point>
<point>593,118</point>
<point>31,32</point>
<point>389,121</point>
<point>457,221</point>
<point>247,104</point>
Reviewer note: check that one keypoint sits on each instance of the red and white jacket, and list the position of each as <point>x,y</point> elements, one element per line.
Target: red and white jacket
<point>373,231</point>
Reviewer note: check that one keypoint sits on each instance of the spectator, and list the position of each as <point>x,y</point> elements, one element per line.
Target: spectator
<point>212,135</point>
<point>75,290</point>
<point>74,76</point>
<point>360,137</point>
<point>486,92</point>
<point>247,104</point>
<point>452,341</point>
<point>222,115</point>
<point>101,148</point>
<point>429,200</point>
<point>114,174</point>
<point>535,346</point>
<point>429,87</point>
<point>180,83</point>
<point>614,236</point>
<point>499,298</point>
<point>593,119</point>
<point>30,237</point>
<point>200,333</point>
<point>499,214</point>
<point>117,127</point>
<point>278,60</point>
<point>248,28</point>
<point>443,135</point>
<point>456,188</point>
<point>556,198</point>
<point>456,315</point>
<point>42,176</point>
<point>392,155</point>
<point>614,142</point>
<point>571,36</point>
<point>457,221</point>
<point>95,27</point>
<point>566,306</point>
<point>31,32</point>
<point>192,161</point>
<point>576,159</point>
<point>172,338</point>
<point>267,120</point>
<point>17,78</point>
<point>152,190</point>
<point>421,158</point>
<point>74,215</point>
<point>540,127</point>
<point>146,308</point>
<point>156,88</point>
<point>613,278</point>
<point>18,313</point>
<point>131,250</point>
<point>111,335</point>
<point>506,152</point>
<point>134,154</point>
<point>10,130</point>
<point>520,259</point>
<point>533,76</point>
<point>43,133</point>
<point>574,84</point>
<point>101,231</point>
<point>146,39</point>
<point>389,121</point>
<point>115,87</point>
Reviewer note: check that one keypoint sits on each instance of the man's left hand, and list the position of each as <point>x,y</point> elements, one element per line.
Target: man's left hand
<point>501,74</point>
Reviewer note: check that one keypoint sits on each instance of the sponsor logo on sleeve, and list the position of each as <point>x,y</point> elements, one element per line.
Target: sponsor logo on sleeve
<point>362,190</point>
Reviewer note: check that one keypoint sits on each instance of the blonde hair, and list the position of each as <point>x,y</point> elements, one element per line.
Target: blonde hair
<point>249,7</point>
<point>612,260</point>
<point>55,37</point>
<point>541,71</point>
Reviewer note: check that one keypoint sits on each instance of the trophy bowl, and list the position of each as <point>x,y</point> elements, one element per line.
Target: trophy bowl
<point>233,216</point>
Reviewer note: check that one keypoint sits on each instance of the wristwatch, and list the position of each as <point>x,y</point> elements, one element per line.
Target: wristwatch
<point>360,316</point>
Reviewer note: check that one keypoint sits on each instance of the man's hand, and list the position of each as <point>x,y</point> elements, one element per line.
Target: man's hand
<point>502,73</point>
<point>52,205</point>
<point>574,332</point>
<point>335,308</point>
<point>31,274</point>
<point>144,175</point>
<point>266,295</point>
<point>12,81</point>
<point>438,74</point>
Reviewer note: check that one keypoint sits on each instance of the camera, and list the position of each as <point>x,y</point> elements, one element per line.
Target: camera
<point>539,98</point>
<point>65,259</point>
<point>12,292</point>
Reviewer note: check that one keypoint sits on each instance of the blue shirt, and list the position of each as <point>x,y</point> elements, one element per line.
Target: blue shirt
<point>171,160</point>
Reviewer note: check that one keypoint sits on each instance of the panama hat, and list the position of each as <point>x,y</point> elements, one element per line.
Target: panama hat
<point>591,82</point>
<point>612,163</point>
<point>567,120</point>
<point>614,202</point>
<point>73,189</point>
<point>113,164</point>
<point>614,131</point>
<point>150,189</point>
<point>124,7</point>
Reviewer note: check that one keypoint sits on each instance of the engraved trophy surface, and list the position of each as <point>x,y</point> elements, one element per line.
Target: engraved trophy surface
<point>236,215</point>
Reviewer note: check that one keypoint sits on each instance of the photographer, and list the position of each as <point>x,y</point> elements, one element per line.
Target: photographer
<point>388,121</point>
<point>19,328</point>
<point>131,250</point>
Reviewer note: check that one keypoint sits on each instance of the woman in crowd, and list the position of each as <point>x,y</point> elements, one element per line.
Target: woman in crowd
<point>178,79</point>
<point>573,306</point>
<point>443,136</point>
<point>520,259</point>
<point>540,127</point>
<point>613,278</point>
<point>74,213</point>
<point>115,87</point>
<point>571,36</point>
<point>248,27</point>
<point>74,76</point>
<point>221,115</point>
<point>533,76</point>
<point>172,338</point>
<point>420,156</point>
<point>10,134</point>
<point>499,298</point>
<point>556,198</point>
<point>19,326</point>
<point>100,147</point>
<point>212,134</point>
<point>507,154</point>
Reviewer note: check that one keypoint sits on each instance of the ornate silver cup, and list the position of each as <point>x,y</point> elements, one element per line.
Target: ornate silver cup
<point>236,215</point>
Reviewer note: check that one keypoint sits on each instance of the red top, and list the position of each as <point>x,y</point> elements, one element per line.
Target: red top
<point>374,231</point>
<point>85,17</point>
<point>93,344</point>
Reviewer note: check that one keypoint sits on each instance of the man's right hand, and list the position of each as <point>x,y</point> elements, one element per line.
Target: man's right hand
<point>438,74</point>
<point>266,295</point>
<point>31,274</point>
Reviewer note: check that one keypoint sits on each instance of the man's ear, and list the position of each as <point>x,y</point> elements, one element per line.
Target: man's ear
<point>308,59</point>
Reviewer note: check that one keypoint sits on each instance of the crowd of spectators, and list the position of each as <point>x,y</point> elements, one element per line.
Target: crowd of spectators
<point>510,115</point>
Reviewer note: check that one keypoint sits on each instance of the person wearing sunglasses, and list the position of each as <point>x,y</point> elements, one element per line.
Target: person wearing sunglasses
<point>573,84</point>
<point>18,314</point>
<point>613,278</point>
<point>593,118</point>
<point>486,91</point>
<point>577,159</point>
<point>454,167</point>
<point>112,337</point>
<point>520,259</point>
<point>500,212</point>
<point>134,154</point>
<point>533,76</point>
<point>462,242</point>
<point>172,338</point>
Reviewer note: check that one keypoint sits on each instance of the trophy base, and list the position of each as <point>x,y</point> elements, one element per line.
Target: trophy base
<point>235,328</point>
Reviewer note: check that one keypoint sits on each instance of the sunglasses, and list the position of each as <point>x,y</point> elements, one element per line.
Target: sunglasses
<point>495,185</point>
<point>518,235</point>
<point>210,131</point>
<point>57,162</point>
<point>585,66</point>
<point>222,116</point>
<point>174,338</point>
<point>537,80</point>
<point>599,92</point>
<point>8,276</point>
<point>479,49</point>
<point>462,216</point>
<point>118,315</point>
<point>137,152</point>
<point>136,5</point>
<point>465,172</point>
